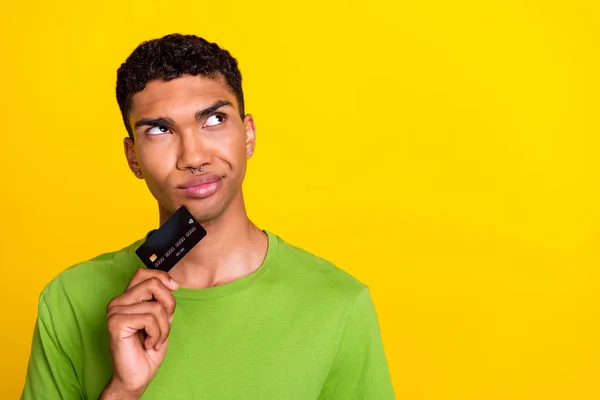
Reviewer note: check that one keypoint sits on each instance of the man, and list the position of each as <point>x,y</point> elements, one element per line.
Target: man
<point>244,315</point>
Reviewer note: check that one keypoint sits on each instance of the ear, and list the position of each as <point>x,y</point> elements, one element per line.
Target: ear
<point>250,135</point>
<point>129,148</point>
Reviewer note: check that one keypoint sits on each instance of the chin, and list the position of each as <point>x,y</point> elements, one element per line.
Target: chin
<point>205,213</point>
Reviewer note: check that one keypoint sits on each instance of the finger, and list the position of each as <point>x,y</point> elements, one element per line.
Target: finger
<point>143,274</point>
<point>124,326</point>
<point>151,307</point>
<point>159,293</point>
<point>150,289</point>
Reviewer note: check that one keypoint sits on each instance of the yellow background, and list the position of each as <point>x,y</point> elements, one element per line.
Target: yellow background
<point>443,152</point>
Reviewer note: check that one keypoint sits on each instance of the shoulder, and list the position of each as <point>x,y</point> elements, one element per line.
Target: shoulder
<point>102,275</point>
<point>312,271</point>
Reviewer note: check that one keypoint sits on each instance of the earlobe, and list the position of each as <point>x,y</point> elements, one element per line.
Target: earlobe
<point>128,147</point>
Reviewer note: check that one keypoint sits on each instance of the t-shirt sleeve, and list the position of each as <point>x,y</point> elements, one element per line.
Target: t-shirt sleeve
<point>359,370</point>
<point>50,373</point>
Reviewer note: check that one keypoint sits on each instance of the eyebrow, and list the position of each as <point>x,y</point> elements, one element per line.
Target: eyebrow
<point>211,109</point>
<point>168,122</point>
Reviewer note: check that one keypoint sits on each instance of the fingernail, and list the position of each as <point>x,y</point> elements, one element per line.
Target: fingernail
<point>174,284</point>
<point>171,318</point>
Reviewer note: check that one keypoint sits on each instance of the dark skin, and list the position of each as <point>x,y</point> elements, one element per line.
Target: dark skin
<point>179,125</point>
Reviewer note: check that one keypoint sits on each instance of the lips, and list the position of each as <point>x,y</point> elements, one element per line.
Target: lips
<point>201,186</point>
<point>200,180</point>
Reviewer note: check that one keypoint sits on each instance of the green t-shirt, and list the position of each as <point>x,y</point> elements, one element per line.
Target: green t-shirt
<point>296,328</point>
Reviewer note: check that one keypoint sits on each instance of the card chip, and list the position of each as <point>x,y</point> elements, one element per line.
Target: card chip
<point>153,257</point>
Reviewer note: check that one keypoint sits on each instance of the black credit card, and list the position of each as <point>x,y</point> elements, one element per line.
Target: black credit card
<point>172,241</point>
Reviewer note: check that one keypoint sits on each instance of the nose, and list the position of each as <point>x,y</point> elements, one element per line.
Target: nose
<point>192,151</point>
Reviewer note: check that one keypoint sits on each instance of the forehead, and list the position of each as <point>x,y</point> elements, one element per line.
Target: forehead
<point>183,95</point>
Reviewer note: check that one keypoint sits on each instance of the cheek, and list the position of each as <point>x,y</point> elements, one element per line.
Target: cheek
<point>233,145</point>
<point>155,160</point>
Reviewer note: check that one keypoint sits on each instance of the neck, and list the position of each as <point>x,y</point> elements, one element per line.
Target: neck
<point>233,248</point>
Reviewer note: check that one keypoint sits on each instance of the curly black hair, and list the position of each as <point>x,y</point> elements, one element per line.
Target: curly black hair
<point>171,57</point>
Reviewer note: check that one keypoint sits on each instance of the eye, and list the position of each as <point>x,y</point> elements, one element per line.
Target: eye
<point>157,130</point>
<point>215,119</point>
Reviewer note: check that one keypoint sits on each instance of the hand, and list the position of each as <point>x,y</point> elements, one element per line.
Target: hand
<point>138,327</point>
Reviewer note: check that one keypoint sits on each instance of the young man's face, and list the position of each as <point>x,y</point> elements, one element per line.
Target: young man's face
<point>182,124</point>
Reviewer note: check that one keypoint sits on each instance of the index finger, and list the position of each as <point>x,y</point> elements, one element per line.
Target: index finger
<point>143,274</point>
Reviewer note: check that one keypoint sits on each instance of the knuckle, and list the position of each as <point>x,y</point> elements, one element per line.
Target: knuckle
<point>155,307</point>
<point>171,305</point>
<point>171,308</point>
<point>141,272</point>
<point>158,272</point>
<point>149,319</point>
<point>170,299</point>
<point>111,311</point>
<point>111,304</point>
<point>155,282</point>
<point>137,276</point>
<point>113,322</point>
